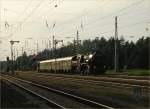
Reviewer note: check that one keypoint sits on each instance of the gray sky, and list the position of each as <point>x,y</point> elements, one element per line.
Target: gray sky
<point>25,19</point>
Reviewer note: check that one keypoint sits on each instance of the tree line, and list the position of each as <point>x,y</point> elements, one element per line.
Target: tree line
<point>131,55</point>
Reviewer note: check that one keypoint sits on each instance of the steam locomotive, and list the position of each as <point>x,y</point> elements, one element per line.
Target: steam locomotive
<point>84,64</point>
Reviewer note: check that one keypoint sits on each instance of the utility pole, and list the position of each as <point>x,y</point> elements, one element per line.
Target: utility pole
<point>74,43</point>
<point>49,44</point>
<point>77,37</point>
<point>26,46</point>
<point>12,43</point>
<point>22,50</point>
<point>37,47</point>
<point>116,44</point>
<point>55,47</point>
<point>53,44</point>
<point>17,57</point>
<point>49,47</point>
<point>77,42</point>
<point>17,52</point>
<point>14,53</point>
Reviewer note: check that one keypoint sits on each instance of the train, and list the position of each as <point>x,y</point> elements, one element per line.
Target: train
<point>93,63</point>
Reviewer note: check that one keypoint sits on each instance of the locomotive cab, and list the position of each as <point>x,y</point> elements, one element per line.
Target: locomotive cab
<point>97,63</point>
<point>75,64</point>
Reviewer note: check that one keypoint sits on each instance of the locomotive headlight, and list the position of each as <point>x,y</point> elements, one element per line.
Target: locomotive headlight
<point>90,56</point>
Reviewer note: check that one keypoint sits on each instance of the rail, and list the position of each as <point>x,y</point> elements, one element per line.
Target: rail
<point>89,102</point>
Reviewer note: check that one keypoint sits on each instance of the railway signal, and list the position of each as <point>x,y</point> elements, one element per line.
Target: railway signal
<point>12,43</point>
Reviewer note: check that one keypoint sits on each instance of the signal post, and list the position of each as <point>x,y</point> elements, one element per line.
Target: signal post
<point>12,64</point>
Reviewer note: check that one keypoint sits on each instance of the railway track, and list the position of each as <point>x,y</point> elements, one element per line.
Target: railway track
<point>49,102</point>
<point>114,76</point>
<point>109,78</point>
<point>118,83</point>
<point>128,77</point>
<point>57,98</point>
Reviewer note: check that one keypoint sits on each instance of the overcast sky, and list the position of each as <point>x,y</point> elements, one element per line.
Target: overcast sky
<point>32,21</point>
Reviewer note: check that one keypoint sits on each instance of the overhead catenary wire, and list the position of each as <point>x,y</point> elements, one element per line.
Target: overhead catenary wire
<point>122,9</point>
<point>26,18</point>
<point>85,12</point>
<point>102,25</point>
<point>107,24</point>
<point>25,9</point>
<point>129,26</point>
<point>40,15</point>
<point>111,30</point>
<point>11,11</point>
<point>115,13</point>
<point>37,6</point>
<point>112,14</point>
<point>19,14</point>
<point>46,13</point>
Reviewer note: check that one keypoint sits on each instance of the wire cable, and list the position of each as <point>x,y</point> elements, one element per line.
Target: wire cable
<point>104,17</point>
<point>29,15</point>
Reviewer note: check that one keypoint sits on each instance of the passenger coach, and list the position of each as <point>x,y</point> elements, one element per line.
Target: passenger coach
<point>66,64</point>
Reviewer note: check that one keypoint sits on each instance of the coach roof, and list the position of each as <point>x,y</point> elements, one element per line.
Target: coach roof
<point>58,59</point>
